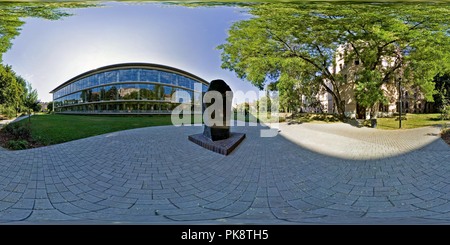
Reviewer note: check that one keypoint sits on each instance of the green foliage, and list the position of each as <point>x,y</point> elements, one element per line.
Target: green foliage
<point>7,111</point>
<point>17,144</point>
<point>18,131</point>
<point>12,16</point>
<point>12,87</point>
<point>367,89</point>
<point>295,45</point>
<point>30,100</point>
<point>314,117</point>
<point>445,112</point>
<point>37,107</point>
<point>442,95</point>
<point>50,107</point>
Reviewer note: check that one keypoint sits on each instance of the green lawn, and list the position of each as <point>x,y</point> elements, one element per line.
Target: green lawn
<point>412,121</point>
<point>54,129</point>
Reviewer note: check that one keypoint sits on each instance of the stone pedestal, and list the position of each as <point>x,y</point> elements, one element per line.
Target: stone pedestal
<point>224,147</point>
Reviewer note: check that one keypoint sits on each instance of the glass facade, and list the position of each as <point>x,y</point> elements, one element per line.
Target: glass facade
<point>125,89</point>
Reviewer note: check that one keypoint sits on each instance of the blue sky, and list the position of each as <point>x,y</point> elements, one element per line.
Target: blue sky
<point>48,53</point>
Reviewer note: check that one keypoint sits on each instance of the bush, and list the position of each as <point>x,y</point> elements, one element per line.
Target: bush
<point>445,135</point>
<point>445,112</point>
<point>18,131</point>
<point>17,144</point>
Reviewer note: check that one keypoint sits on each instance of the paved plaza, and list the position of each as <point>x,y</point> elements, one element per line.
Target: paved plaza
<point>309,173</point>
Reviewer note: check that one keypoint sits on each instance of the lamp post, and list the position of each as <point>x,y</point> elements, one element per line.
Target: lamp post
<point>399,103</point>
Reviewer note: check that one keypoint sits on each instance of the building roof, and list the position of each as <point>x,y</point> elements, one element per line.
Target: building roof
<point>129,65</point>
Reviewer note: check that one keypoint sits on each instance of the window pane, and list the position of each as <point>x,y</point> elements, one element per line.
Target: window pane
<point>192,84</point>
<point>91,81</point>
<point>168,91</point>
<point>158,92</point>
<point>89,95</point>
<point>129,92</point>
<point>101,78</point>
<point>111,77</point>
<point>149,75</point>
<point>167,78</point>
<point>102,93</point>
<point>96,94</point>
<point>144,92</point>
<point>184,82</point>
<point>111,93</point>
<point>130,75</point>
<point>183,96</point>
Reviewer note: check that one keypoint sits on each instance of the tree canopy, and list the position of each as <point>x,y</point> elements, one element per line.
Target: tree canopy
<point>12,14</point>
<point>296,46</point>
<point>442,96</point>
<point>13,88</point>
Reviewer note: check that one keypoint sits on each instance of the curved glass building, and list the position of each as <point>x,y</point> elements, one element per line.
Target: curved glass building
<point>131,88</point>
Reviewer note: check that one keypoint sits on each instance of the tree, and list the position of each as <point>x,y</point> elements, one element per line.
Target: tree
<point>36,107</point>
<point>367,90</point>
<point>297,46</point>
<point>30,100</point>
<point>13,13</point>
<point>50,107</point>
<point>442,96</point>
<point>268,101</point>
<point>11,90</point>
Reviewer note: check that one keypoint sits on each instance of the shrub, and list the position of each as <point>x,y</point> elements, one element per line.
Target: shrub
<point>18,131</point>
<point>445,135</point>
<point>17,144</point>
<point>445,112</point>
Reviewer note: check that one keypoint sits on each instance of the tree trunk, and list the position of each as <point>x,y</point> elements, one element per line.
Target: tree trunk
<point>341,110</point>
<point>339,105</point>
<point>337,99</point>
<point>374,110</point>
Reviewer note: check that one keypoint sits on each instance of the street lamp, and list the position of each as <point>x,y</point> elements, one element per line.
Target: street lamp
<point>399,103</point>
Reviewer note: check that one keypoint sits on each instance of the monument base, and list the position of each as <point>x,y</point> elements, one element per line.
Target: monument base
<point>223,147</point>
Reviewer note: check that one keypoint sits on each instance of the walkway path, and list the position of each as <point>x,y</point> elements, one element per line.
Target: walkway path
<point>155,175</point>
<point>4,122</point>
<point>345,141</point>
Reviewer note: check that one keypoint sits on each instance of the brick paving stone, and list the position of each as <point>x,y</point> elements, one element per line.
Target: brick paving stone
<point>309,173</point>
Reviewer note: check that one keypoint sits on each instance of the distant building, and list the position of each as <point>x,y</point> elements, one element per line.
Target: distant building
<point>413,100</point>
<point>44,106</point>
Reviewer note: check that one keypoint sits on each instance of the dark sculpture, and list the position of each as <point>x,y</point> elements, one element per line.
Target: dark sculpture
<point>220,124</point>
<point>216,134</point>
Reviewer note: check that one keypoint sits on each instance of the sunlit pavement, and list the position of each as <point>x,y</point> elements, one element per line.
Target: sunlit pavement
<point>309,173</point>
